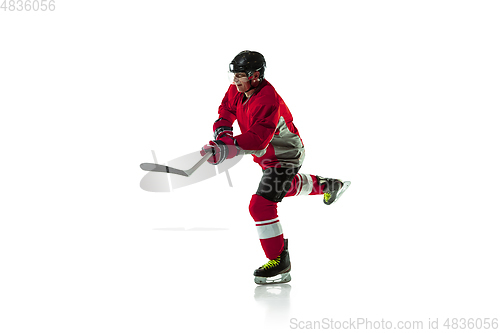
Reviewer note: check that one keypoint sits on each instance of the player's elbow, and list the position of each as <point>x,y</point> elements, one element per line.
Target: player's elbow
<point>255,145</point>
<point>261,145</point>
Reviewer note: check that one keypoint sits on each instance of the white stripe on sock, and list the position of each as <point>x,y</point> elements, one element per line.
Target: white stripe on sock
<point>266,221</point>
<point>269,230</point>
<point>307,185</point>
<point>299,184</point>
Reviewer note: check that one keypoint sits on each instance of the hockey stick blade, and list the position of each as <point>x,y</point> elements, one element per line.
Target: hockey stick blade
<point>163,168</point>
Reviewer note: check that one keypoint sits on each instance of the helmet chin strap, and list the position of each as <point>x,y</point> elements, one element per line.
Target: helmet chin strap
<point>251,87</point>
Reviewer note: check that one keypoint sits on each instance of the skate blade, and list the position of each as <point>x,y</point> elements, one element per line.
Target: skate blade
<point>280,278</point>
<point>339,194</point>
<point>343,189</point>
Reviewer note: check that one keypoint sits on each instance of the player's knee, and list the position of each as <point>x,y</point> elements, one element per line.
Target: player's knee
<point>262,209</point>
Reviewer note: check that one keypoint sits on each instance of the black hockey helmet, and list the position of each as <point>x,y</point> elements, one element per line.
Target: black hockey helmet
<point>248,62</point>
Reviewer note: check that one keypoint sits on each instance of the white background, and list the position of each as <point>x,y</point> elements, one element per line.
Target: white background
<point>400,97</point>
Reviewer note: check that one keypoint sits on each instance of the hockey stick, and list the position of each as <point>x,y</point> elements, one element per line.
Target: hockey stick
<point>163,168</point>
<point>186,173</point>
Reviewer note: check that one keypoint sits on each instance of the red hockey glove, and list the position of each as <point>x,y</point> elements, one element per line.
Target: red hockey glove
<point>222,149</point>
<point>222,128</point>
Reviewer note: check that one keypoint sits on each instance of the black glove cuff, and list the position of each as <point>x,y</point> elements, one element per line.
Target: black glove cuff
<point>224,150</point>
<point>221,129</point>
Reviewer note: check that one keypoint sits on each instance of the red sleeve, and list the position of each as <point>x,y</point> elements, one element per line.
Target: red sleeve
<point>262,127</point>
<point>227,108</point>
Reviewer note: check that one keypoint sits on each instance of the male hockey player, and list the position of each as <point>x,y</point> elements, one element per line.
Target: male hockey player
<point>268,130</point>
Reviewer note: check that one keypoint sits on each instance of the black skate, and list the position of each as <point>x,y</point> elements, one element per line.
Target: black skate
<point>275,271</point>
<point>334,189</point>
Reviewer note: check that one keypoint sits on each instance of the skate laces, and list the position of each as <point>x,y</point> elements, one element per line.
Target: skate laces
<point>271,263</point>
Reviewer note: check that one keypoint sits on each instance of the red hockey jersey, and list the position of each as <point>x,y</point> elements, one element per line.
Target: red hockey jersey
<point>266,126</point>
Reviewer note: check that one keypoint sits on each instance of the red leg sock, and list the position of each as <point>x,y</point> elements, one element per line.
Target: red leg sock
<point>265,215</point>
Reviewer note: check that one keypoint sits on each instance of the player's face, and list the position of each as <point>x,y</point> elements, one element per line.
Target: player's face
<point>241,81</point>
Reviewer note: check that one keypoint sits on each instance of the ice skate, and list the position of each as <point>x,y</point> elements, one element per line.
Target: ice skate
<point>275,271</point>
<point>334,189</point>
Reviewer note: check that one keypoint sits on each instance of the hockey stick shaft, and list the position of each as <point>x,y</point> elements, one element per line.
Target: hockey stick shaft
<point>163,168</point>
<point>198,164</point>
